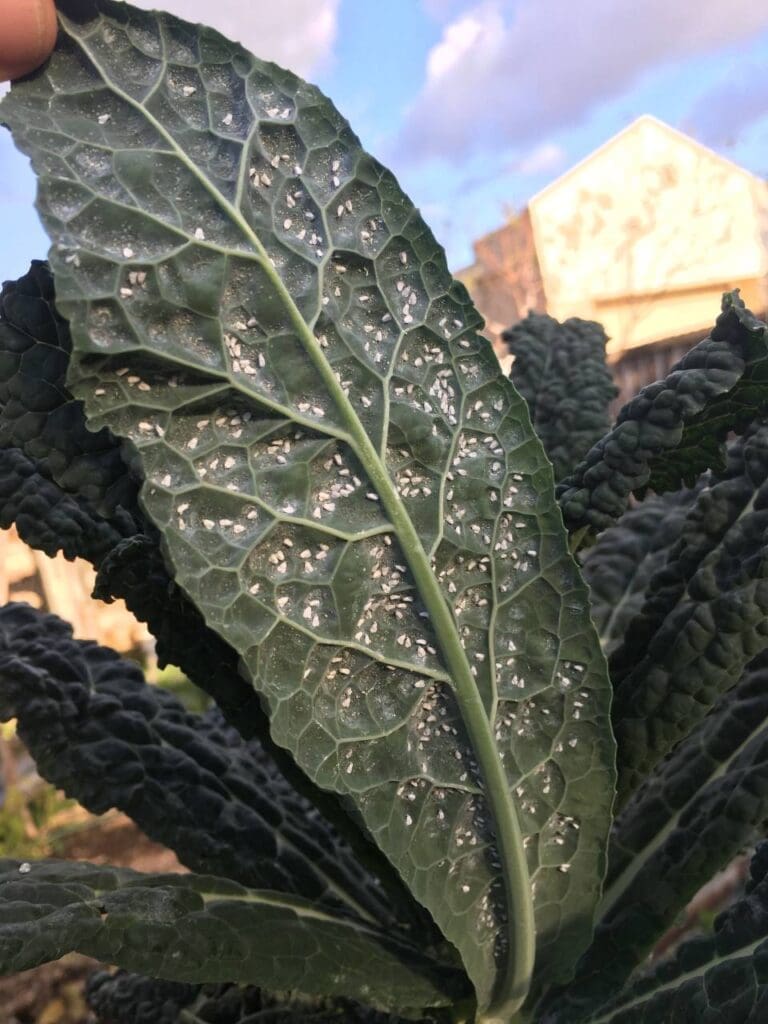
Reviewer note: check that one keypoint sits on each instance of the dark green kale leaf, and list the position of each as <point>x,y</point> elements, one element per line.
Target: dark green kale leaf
<point>97,731</point>
<point>674,429</point>
<point>124,998</point>
<point>698,810</point>
<point>49,519</point>
<point>204,929</point>
<point>720,978</point>
<point>560,371</point>
<point>338,468</point>
<point>40,416</point>
<point>625,558</point>
<point>705,616</point>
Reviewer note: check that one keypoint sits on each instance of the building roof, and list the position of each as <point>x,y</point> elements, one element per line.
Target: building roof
<point>640,122</point>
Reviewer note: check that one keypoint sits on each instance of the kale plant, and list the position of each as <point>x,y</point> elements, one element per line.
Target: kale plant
<point>483,726</point>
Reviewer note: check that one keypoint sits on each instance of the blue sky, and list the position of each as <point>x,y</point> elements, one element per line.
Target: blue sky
<point>477,104</point>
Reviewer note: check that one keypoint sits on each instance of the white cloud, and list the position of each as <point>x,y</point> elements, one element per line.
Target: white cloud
<point>469,42</point>
<point>544,157</point>
<point>298,34</point>
<point>506,72</point>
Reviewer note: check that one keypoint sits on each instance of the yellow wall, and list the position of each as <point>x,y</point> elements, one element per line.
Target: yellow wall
<point>647,232</point>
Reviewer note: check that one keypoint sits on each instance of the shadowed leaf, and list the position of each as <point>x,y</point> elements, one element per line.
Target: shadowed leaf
<point>199,928</point>
<point>675,429</point>
<point>560,371</point>
<point>704,615</point>
<point>711,978</point>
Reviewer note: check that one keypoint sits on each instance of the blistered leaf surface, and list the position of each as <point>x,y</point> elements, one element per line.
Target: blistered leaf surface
<point>347,487</point>
<point>123,998</point>
<point>559,369</point>
<point>719,978</point>
<point>49,519</point>
<point>623,561</point>
<point>40,416</point>
<point>704,616</point>
<point>675,428</point>
<point>100,733</point>
<point>701,807</point>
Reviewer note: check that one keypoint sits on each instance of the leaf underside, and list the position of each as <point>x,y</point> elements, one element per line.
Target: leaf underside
<point>63,497</point>
<point>200,928</point>
<point>347,487</point>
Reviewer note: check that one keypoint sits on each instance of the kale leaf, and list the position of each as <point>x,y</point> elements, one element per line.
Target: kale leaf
<point>674,429</point>
<point>559,369</point>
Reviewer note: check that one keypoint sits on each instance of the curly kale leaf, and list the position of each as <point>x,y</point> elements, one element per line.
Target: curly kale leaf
<point>674,429</point>
<point>705,616</point>
<point>49,519</point>
<point>690,818</point>
<point>40,416</point>
<point>560,371</point>
<point>97,731</point>
<point>125,998</point>
<point>619,567</point>
<point>718,978</point>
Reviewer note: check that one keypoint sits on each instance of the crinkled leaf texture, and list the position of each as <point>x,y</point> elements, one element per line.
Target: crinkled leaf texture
<point>623,561</point>
<point>704,618</point>
<point>677,591</point>
<point>674,429</point>
<point>39,415</point>
<point>692,816</point>
<point>712,979</point>
<point>560,371</point>
<point>97,731</point>
<point>51,520</point>
<point>200,928</point>
<point>347,487</point>
<point>125,998</point>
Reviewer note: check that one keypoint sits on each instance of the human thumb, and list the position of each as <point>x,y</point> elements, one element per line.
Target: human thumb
<point>27,35</point>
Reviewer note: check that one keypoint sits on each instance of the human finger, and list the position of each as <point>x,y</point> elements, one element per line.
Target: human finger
<point>27,35</point>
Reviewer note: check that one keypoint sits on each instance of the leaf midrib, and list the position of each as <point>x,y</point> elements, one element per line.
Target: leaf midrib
<point>512,987</point>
